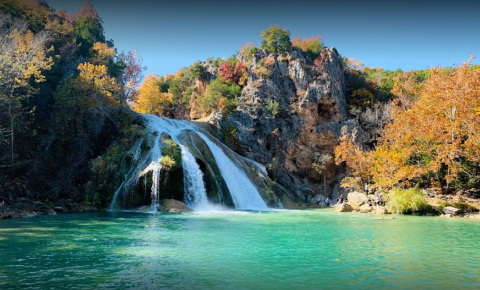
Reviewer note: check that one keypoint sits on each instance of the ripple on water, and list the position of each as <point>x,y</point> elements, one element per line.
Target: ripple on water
<point>238,249</point>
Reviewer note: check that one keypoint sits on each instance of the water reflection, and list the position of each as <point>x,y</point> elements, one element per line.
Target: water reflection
<point>231,250</point>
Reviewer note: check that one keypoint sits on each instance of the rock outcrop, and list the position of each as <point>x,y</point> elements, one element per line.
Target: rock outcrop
<point>173,206</point>
<point>312,111</point>
<point>357,199</point>
<point>343,207</point>
<point>450,210</point>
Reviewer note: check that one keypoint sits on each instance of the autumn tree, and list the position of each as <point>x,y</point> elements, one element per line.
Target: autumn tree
<point>234,71</point>
<point>359,163</point>
<point>132,75</point>
<point>437,134</point>
<point>276,39</point>
<point>23,57</point>
<point>88,27</point>
<point>310,44</point>
<point>151,100</point>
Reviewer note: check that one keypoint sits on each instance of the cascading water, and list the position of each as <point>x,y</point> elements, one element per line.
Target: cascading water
<point>195,194</point>
<point>244,193</point>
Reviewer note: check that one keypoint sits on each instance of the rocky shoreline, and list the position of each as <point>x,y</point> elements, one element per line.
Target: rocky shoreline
<point>25,207</point>
<point>358,203</point>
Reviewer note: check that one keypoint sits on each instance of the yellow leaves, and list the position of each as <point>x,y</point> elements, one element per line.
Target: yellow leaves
<point>22,54</point>
<point>150,99</point>
<point>95,80</point>
<point>103,54</point>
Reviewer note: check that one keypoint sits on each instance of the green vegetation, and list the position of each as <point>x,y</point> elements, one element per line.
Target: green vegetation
<point>461,205</point>
<point>172,170</point>
<point>276,39</point>
<point>231,137</point>
<point>406,200</point>
<point>62,90</point>
<point>222,93</point>
<point>273,107</point>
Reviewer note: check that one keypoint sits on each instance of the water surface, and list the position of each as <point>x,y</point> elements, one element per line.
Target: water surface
<point>239,250</point>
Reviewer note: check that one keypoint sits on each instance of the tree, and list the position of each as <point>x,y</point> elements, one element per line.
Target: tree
<point>102,54</point>
<point>88,27</point>
<point>151,100</point>
<point>310,44</point>
<point>23,56</point>
<point>132,75</point>
<point>276,39</point>
<point>320,165</point>
<point>436,134</point>
<point>359,162</point>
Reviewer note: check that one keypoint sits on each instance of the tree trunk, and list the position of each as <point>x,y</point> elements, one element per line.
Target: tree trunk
<point>12,138</point>
<point>325,184</point>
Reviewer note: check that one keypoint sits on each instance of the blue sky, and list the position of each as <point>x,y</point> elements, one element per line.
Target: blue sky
<point>403,34</point>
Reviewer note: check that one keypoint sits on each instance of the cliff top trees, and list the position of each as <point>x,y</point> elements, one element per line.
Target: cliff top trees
<point>310,44</point>
<point>276,39</point>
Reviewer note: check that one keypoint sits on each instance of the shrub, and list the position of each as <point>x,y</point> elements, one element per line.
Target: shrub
<point>276,39</point>
<point>218,89</point>
<point>311,45</point>
<point>261,71</point>
<point>406,200</point>
<point>252,52</point>
<point>231,137</point>
<point>273,107</point>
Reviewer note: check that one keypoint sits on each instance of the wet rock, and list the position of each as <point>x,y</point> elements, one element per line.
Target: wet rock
<point>173,206</point>
<point>381,210</point>
<point>366,208</point>
<point>451,210</point>
<point>356,199</point>
<point>343,207</point>
<point>44,210</point>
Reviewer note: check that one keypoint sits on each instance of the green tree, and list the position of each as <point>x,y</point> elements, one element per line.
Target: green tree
<point>276,39</point>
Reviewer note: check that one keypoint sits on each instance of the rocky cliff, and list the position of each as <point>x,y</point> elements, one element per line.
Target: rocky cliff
<point>302,130</point>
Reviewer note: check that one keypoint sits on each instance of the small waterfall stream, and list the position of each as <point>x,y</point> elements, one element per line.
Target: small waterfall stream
<point>244,193</point>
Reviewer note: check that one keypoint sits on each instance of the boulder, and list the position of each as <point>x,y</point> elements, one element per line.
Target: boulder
<point>343,207</point>
<point>366,208</point>
<point>357,199</point>
<point>173,206</point>
<point>380,210</point>
<point>450,210</point>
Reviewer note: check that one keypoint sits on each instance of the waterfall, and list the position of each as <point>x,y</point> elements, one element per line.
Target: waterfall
<point>195,193</point>
<point>245,194</point>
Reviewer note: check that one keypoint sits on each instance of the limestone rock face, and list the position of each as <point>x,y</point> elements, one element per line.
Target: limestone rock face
<point>311,114</point>
<point>451,210</point>
<point>343,207</point>
<point>357,199</point>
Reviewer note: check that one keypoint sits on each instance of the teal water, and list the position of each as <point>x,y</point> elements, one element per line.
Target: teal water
<point>239,250</point>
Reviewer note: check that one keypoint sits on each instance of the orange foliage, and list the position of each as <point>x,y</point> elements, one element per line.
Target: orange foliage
<point>102,54</point>
<point>246,47</point>
<point>438,131</point>
<point>307,43</point>
<point>359,163</point>
<point>150,99</point>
